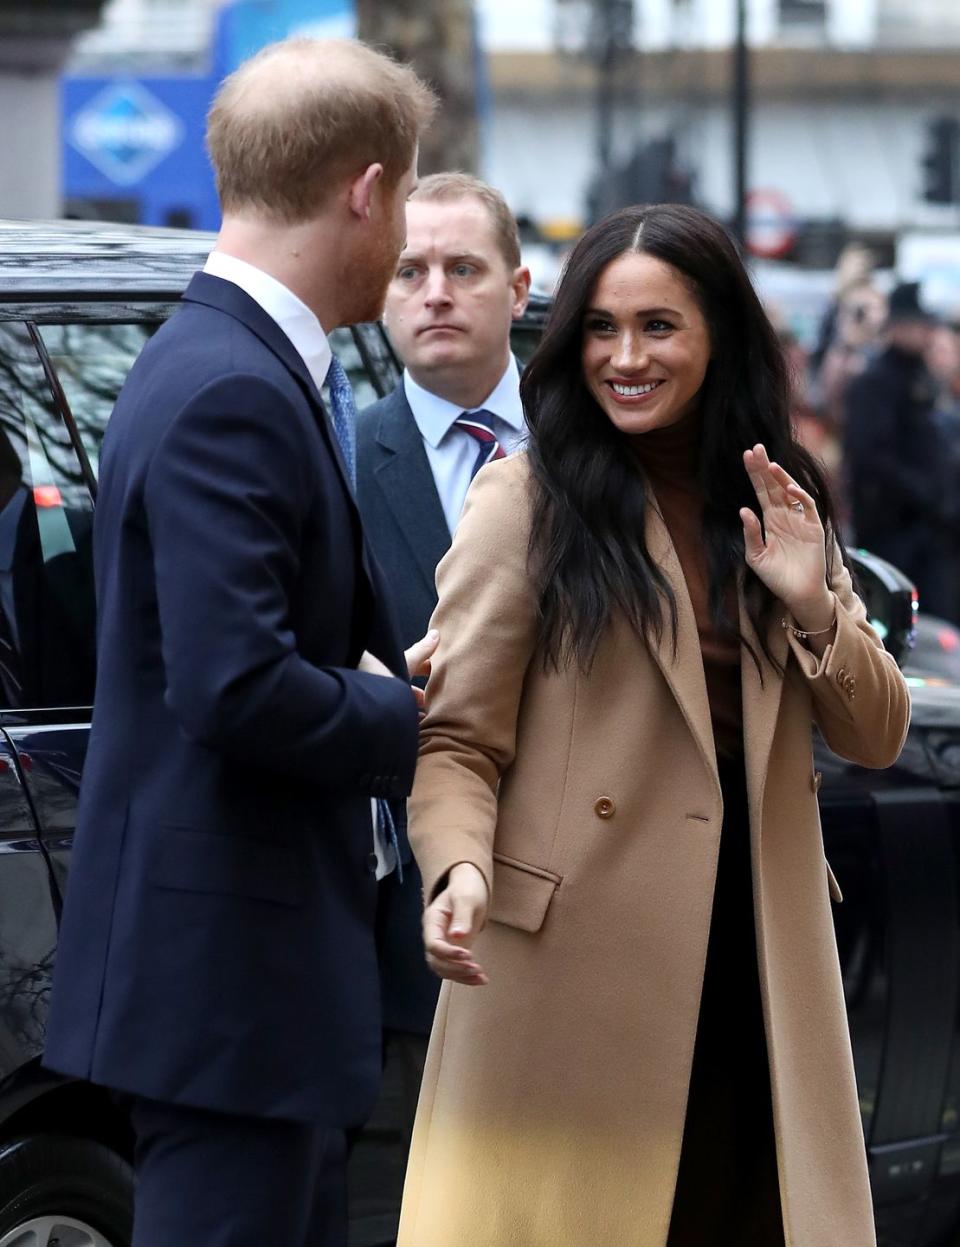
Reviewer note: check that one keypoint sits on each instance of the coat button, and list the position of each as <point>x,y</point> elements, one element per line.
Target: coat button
<point>604,807</point>
<point>816,780</point>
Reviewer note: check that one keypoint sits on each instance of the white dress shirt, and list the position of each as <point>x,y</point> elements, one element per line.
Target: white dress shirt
<point>306,335</point>
<point>452,452</point>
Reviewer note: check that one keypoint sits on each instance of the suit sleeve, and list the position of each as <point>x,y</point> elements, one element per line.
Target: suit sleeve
<point>860,699</point>
<point>226,495</point>
<point>487,618</point>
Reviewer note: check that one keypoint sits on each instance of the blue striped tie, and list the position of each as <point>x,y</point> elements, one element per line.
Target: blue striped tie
<point>344,412</point>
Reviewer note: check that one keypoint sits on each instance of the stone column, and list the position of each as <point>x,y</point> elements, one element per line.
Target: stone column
<point>35,40</point>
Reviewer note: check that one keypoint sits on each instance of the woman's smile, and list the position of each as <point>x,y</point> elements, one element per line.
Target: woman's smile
<point>633,392</point>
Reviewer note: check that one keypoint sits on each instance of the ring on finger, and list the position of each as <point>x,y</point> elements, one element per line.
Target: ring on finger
<point>797,506</point>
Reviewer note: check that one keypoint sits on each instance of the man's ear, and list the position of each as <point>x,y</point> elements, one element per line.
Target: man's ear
<point>520,283</point>
<point>360,192</point>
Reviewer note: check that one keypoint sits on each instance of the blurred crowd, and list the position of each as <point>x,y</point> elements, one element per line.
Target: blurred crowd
<point>877,401</point>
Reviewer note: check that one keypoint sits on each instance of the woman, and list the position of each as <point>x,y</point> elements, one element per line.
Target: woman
<point>615,808</point>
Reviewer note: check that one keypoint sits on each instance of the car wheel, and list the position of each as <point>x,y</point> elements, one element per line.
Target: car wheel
<point>62,1192</point>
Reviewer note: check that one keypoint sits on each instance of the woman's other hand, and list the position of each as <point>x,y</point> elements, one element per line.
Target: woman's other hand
<point>788,552</point>
<point>417,658</point>
<point>419,654</point>
<point>452,922</point>
<point>418,663</point>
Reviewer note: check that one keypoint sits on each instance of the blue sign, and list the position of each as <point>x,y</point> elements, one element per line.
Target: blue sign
<point>140,142</point>
<point>135,146</point>
<point>245,26</point>
<point>125,131</point>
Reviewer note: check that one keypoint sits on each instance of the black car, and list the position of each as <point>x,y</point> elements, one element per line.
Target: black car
<point>77,303</point>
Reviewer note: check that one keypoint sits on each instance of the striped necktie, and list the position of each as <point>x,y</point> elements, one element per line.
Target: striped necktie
<point>344,412</point>
<point>479,424</point>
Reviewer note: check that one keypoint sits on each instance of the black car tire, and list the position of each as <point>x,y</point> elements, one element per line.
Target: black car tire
<point>50,1177</point>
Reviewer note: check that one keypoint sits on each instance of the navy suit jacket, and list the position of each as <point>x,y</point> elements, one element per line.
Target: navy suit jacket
<point>405,524</point>
<point>217,946</point>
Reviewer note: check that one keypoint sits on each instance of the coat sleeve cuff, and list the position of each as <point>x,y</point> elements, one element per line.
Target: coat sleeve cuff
<point>833,676</point>
<point>435,873</point>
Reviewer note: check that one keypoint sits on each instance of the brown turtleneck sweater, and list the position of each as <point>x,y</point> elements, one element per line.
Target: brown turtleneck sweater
<point>668,458</point>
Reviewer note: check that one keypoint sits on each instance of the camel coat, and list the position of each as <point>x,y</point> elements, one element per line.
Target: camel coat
<point>553,1103</point>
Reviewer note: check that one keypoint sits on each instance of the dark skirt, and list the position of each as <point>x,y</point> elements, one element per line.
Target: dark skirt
<point>727,1186</point>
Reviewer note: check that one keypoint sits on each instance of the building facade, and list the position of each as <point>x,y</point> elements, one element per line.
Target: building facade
<point>843,96</point>
<point>844,93</point>
<point>35,42</point>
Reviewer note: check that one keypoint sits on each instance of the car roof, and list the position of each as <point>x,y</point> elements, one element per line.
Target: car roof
<point>59,259</point>
<point>46,260</point>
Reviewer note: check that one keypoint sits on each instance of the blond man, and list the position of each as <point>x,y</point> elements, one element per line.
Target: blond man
<point>217,962</point>
<point>457,289</point>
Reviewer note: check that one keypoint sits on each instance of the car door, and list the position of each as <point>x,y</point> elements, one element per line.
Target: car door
<point>46,667</point>
<point>83,362</point>
<point>64,394</point>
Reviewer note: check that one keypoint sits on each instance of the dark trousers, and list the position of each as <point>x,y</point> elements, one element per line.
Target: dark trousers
<point>728,1188</point>
<point>218,1180</point>
<point>378,1160</point>
<point>409,1053</point>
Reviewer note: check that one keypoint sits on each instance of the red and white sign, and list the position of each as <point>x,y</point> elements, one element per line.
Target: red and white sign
<point>771,225</point>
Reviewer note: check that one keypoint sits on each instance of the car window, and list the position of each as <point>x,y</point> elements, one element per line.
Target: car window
<point>346,350</point>
<point>92,362</point>
<point>46,566</point>
<point>524,340</point>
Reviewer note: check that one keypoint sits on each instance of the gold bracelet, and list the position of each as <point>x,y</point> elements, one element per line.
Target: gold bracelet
<point>799,632</point>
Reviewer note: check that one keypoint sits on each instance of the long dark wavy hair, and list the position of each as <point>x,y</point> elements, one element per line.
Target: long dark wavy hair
<point>587,550</point>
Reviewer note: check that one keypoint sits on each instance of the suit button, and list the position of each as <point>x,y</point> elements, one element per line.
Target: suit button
<point>372,863</point>
<point>816,780</point>
<point>604,807</point>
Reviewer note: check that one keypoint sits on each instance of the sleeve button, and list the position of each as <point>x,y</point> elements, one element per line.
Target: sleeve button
<point>604,807</point>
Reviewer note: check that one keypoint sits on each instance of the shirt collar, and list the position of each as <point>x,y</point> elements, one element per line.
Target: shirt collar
<point>283,307</point>
<point>435,415</point>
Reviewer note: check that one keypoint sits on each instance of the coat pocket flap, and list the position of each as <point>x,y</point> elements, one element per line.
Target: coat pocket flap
<point>521,893</point>
<point>835,893</point>
<point>189,860</point>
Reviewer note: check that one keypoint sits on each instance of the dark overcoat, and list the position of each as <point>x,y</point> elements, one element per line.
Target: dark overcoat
<point>217,947</point>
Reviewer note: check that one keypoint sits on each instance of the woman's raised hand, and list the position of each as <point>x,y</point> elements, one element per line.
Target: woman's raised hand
<point>451,923</point>
<point>788,553</point>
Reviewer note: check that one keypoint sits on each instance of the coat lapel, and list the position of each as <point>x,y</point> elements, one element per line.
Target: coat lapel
<point>683,671</point>
<point>404,476</point>
<point>226,297</point>
<point>761,692</point>
<point>682,668</point>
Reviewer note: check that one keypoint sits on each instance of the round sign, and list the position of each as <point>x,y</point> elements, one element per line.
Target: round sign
<point>771,227</point>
